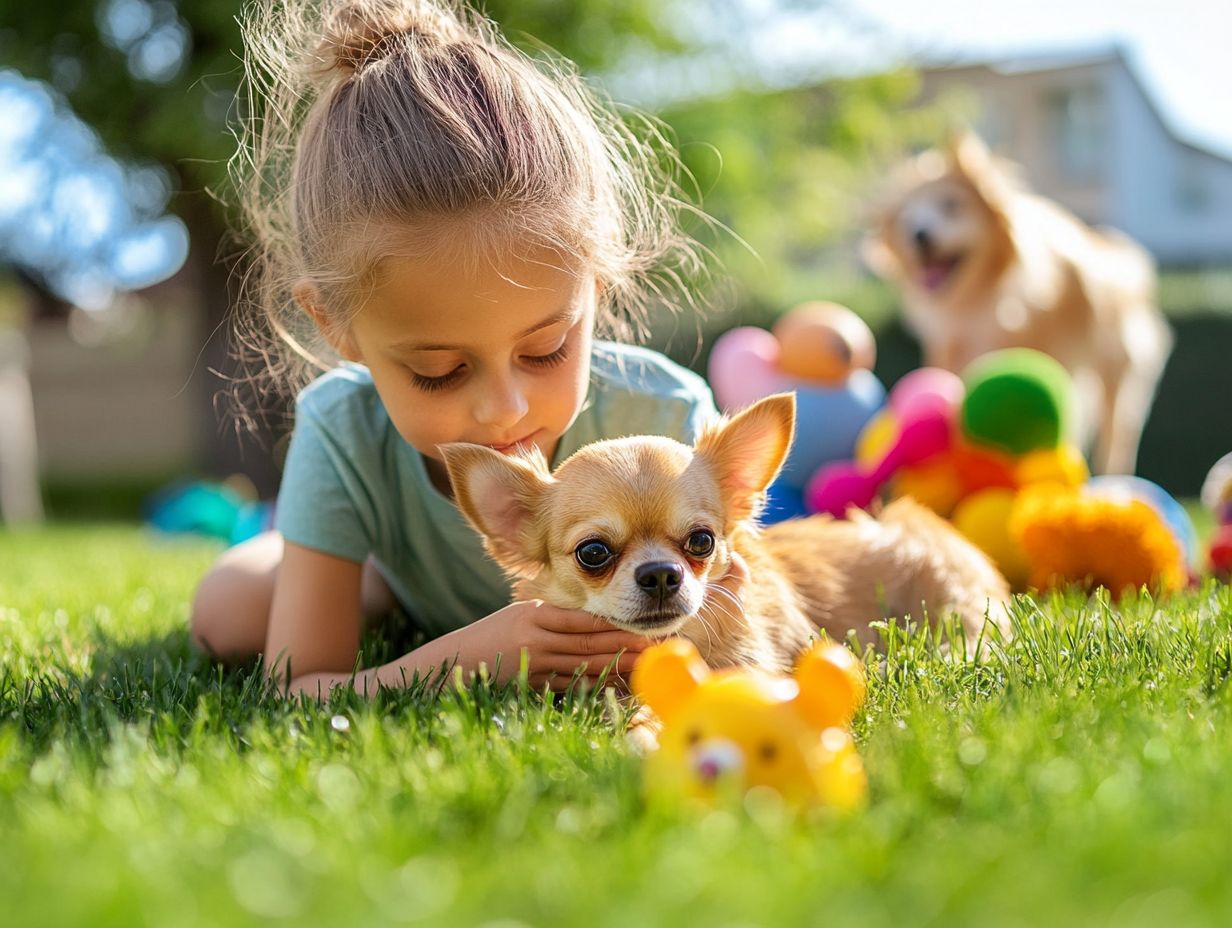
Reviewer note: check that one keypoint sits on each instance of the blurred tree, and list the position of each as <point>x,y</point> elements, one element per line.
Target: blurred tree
<point>791,172</point>
<point>157,79</point>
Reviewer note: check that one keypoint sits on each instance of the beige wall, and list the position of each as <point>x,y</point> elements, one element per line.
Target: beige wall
<point>125,409</point>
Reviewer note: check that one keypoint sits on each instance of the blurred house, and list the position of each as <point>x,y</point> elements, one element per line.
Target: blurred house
<point>125,395</point>
<point>1089,135</point>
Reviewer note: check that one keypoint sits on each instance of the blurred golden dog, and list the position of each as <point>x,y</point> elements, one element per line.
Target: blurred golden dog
<point>984,264</point>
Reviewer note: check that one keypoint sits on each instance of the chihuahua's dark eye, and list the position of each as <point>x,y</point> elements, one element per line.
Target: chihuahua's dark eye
<point>593,554</point>
<point>699,544</point>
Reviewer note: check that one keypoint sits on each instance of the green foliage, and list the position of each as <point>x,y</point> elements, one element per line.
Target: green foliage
<point>1077,777</point>
<point>785,170</point>
<point>791,173</point>
<point>182,123</point>
<point>1190,291</point>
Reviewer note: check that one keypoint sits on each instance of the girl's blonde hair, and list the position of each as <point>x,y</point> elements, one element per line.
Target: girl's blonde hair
<point>381,127</point>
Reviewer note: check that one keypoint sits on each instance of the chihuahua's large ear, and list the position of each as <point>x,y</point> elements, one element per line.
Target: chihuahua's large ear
<point>499,495</point>
<point>746,451</point>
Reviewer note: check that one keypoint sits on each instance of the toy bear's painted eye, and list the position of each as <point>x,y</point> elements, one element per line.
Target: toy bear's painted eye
<point>593,554</point>
<point>699,544</point>
<point>768,752</point>
<point>692,736</point>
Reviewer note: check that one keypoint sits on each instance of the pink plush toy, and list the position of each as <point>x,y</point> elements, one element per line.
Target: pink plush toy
<point>927,386</point>
<point>836,393</point>
<point>744,367</point>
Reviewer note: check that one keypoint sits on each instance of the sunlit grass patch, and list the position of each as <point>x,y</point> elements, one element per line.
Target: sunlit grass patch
<point>1075,775</point>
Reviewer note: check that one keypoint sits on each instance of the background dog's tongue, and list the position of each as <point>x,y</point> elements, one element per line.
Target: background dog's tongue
<point>934,276</point>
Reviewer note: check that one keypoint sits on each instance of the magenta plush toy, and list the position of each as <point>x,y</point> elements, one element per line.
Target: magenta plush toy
<point>924,405</point>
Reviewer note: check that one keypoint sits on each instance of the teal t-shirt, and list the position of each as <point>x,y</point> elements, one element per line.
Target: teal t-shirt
<point>352,487</point>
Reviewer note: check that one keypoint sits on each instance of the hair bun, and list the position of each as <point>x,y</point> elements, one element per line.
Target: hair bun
<point>357,33</point>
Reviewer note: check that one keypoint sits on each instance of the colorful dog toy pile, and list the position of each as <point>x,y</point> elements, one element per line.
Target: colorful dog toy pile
<point>988,450</point>
<point>729,731</point>
<point>996,462</point>
<point>825,353</point>
<point>1217,497</point>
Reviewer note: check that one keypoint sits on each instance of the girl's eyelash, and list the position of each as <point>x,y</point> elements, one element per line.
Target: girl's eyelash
<point>558,356</point>
<point>431,384</point>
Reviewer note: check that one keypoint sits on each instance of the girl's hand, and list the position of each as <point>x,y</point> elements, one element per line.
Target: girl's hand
<point>558,643</point>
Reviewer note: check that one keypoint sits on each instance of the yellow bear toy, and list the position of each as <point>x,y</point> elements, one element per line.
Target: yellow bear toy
<point>727,731</point>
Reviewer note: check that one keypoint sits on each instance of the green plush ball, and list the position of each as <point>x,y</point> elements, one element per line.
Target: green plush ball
<point>1018,400</point>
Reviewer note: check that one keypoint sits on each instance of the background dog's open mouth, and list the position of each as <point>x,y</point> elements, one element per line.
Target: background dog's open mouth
<point>936,271</point>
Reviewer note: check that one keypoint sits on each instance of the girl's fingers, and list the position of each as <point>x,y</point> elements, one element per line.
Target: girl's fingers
<point>569,621</point>
<point>591,645</point>
<point>591,665</point>
<point>611,663</point>
<point>559,682</point>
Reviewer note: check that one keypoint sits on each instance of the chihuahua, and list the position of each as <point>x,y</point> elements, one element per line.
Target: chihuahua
<point>638,530</point>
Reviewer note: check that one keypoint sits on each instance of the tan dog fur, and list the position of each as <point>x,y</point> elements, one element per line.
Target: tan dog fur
<point>983,264</point>
<point>644,497</point>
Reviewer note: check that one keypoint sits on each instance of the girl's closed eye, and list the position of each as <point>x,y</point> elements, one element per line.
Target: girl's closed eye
<point>551,358</point>
<point>548,359</point>
<point>429,384</point>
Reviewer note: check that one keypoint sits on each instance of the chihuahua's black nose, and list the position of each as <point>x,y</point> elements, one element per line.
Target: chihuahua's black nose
<point>923,239</point>
<point>660,579</point>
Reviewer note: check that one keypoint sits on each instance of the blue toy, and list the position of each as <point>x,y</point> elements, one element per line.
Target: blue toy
<point>207,508</point>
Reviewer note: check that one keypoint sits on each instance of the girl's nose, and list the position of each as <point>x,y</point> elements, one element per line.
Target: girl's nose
<point>501,402</point>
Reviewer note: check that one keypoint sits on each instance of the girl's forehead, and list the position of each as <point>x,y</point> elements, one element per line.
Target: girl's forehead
<point>433,300</point>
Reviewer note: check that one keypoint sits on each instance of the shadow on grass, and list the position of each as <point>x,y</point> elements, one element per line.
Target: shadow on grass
<point>181,695</point>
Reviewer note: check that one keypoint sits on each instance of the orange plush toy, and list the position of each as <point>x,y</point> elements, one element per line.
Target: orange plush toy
<point>728,731</point>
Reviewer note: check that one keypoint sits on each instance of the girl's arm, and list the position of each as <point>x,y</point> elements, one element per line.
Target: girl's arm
<point>316,618</point>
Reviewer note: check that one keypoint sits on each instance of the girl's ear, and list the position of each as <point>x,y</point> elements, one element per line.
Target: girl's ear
<point>308,297</point>
<point>746,452</point>
<point>500,495</point>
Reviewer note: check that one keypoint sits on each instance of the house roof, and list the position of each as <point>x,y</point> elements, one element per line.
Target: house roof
<point>1064,59</point>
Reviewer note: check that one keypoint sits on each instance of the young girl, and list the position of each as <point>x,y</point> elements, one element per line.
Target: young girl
<point>455,222</point>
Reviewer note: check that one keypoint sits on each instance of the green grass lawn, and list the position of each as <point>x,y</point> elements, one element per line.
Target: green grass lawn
<point>1082,778</point>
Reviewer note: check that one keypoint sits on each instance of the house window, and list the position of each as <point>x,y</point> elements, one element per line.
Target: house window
<point>1191,183</point>
<point>1078,117</point>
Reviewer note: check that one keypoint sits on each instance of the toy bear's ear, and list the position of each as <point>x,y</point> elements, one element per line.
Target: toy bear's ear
<point>667,674</point>
<point>831,681</point>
